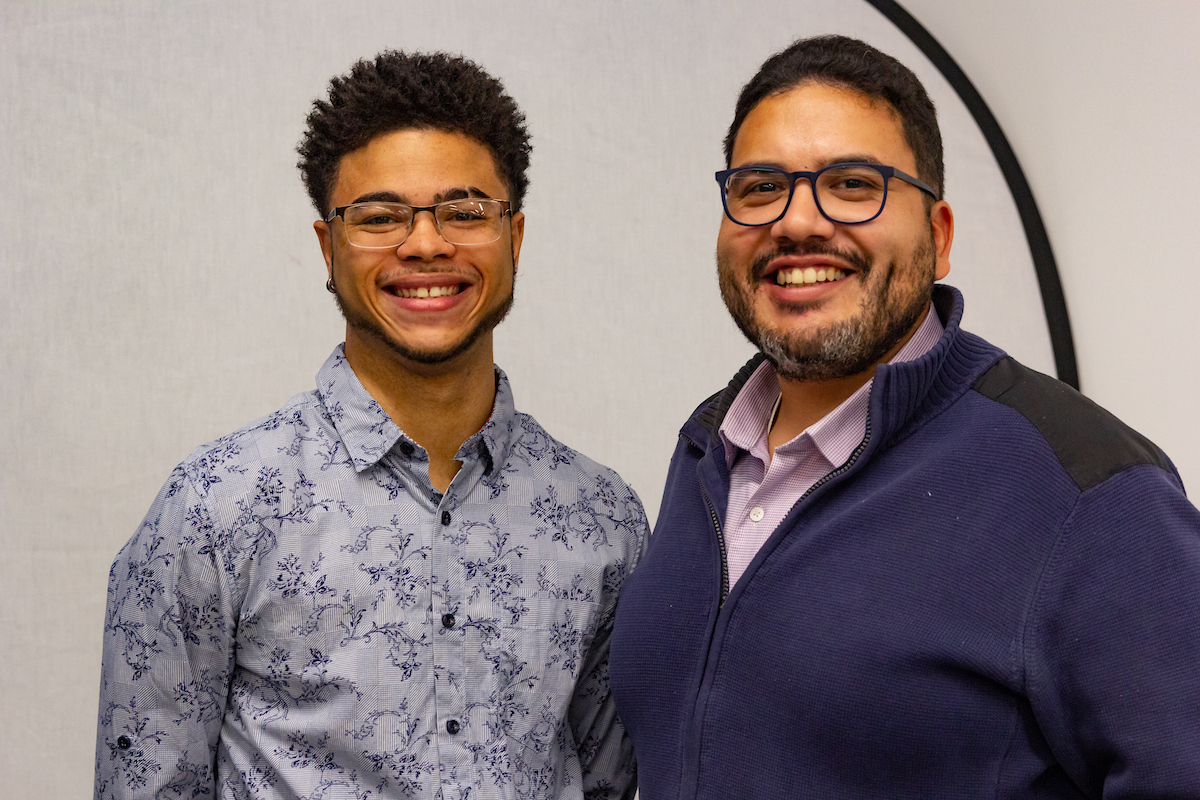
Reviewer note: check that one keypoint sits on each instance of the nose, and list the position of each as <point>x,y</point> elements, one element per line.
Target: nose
<point>803,219</point>
<point>424,240</point>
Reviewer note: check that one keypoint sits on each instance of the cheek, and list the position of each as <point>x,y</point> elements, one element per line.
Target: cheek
<point>735,244</point>
<point>364,265</point>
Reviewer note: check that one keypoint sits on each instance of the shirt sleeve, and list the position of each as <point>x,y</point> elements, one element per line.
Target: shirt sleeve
<point>1113,643</point>
<point>606,754</point>
<point>167,654</point>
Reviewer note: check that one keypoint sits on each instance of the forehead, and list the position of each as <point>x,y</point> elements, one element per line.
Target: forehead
<point>416,164</point>
<point>815,124</point>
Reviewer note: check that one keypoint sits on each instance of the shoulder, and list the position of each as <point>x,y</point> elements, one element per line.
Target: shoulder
<point>267,442</point>
<point>566,461</point>
<point>1090,443</point>
<point>231,483</point>
<point>598,488</point>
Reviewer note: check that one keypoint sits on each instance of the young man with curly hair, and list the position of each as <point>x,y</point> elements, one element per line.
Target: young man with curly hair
<point>397,585</point>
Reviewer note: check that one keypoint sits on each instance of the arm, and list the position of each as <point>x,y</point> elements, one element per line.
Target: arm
<point>168,654</point>
<point>606,754</point>
<point>1113,642</point>
<point>605,749</point>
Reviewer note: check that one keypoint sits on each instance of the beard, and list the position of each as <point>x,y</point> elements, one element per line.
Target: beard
<point>888,308</point>
<point>371,329</point>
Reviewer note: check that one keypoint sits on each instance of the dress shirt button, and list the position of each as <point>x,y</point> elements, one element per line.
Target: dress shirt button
<point>756,514</point>
<point>406,448</point>
<point>124,743</point>
<point>445,517</point>
<point>448,620</point>
<point>452,727</point>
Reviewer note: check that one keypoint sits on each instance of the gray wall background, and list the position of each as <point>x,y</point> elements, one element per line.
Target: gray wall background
<point>160,284</point>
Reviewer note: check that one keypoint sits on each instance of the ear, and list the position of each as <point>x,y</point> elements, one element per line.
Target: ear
<point>325,237</point>
<point>941,221</point>
<point>518,234</point>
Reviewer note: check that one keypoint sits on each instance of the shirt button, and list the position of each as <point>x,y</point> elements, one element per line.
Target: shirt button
<point>124,743</point>
<point>406,448</point>
<point>756,514</point>
<point>445,517</point>
<point>452,727</point>
<point>448,620</point>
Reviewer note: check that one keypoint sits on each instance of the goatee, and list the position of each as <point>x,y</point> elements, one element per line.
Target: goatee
<point>887,311</point>
<point>371,329</point>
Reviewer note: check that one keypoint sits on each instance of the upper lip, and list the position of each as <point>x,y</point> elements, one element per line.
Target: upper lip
<point>816,261</point>
<point>416,280</point>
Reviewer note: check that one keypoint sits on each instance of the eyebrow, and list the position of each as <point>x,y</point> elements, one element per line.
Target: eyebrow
<point>845,158</point>
<point>456,193</point>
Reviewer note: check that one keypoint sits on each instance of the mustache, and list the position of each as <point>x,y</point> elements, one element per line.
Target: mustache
<point>858,262</point>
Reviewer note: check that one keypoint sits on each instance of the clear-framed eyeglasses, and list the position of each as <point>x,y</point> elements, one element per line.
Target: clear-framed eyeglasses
<point>848,194</point>
<point>384,225</point>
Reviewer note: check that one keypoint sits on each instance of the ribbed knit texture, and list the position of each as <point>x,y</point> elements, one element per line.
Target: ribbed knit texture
<point>950,617</point>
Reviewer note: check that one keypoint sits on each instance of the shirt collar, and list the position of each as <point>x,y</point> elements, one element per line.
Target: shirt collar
<point>835,435</point>
<point>369,433</point>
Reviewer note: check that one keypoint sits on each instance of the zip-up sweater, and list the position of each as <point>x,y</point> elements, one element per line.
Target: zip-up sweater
<point>997,596</point>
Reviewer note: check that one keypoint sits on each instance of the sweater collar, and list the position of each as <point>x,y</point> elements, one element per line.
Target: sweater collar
<point>901,393</point>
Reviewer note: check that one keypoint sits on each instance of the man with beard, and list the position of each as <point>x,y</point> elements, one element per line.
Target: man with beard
<point>891,561</point>
<point>397,586</point>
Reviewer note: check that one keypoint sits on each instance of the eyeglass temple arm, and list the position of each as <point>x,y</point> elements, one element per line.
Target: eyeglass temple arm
<point>917,182</point>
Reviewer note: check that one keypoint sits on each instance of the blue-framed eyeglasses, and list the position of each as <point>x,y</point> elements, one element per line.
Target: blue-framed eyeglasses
<point>849,194</point>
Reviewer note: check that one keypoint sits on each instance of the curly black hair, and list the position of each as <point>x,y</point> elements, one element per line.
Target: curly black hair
<point>397,91</point>
<point>842,61</point>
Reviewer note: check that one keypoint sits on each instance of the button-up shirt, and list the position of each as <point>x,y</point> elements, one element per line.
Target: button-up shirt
<point>763,486</point>
<point>301,614</point>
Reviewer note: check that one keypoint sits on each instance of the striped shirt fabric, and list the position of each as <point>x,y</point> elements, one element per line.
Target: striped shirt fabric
<point>764,487</point>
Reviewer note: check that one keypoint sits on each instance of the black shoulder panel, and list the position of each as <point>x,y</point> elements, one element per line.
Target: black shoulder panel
<point>1091,443</point>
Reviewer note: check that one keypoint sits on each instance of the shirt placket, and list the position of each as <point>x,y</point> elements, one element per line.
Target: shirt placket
<point>447,620</point>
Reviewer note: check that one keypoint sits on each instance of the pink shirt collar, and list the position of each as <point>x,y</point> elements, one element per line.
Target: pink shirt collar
<point>835,435</point>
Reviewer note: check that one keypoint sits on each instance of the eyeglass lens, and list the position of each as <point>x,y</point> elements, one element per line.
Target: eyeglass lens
<point>846,194</point>
<point>383,225</point>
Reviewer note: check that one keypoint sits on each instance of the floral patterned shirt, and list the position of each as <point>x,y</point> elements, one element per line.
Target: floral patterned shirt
<point>302,615</point>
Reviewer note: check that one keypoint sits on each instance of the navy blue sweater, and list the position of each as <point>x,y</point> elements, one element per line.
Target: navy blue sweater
<point>998,596</point>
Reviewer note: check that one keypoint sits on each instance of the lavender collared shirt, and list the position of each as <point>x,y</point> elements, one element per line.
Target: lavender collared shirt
<point>762,488</point>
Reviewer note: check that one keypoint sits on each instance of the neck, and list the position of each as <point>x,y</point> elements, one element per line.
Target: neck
<point>804,403</point>
<point>438,406</point>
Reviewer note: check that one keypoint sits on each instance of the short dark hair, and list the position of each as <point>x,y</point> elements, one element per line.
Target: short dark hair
<point>397,91</point>
<point>842,61</point>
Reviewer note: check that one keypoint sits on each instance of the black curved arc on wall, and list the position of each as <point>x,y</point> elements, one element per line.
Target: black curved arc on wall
<point>1053,301</point>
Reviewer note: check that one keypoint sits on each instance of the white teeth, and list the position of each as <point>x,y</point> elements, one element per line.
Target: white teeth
<point>808,275</point>
<point>430,291</point>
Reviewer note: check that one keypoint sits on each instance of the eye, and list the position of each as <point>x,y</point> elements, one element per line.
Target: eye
<point>755,186</point>
<point>379,219</point>
<point>377,216</point>
<point>852,183</point>
<point>466,212</point>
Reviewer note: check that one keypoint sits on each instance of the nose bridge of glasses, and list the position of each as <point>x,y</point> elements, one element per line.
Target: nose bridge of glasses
<point>425,229</point>
<point>803,204</point>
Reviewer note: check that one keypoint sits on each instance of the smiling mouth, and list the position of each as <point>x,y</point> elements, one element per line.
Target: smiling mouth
<point>427,291</point>
<point>802,276</point>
